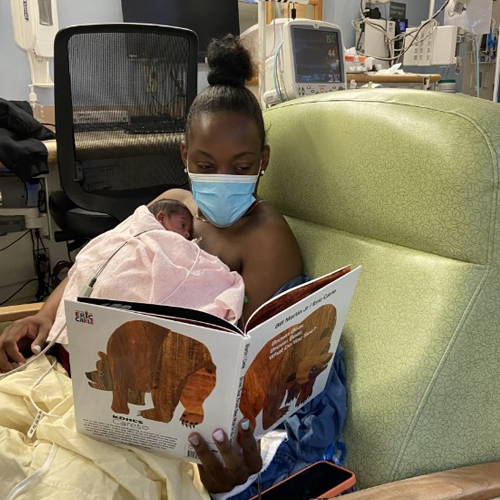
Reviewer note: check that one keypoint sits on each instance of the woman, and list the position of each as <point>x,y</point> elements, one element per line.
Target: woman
<point>225,154</point>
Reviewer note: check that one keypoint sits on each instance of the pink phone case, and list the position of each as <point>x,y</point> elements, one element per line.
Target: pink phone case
<point>330,493</point>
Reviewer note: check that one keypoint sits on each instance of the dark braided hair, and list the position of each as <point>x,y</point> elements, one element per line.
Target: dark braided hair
<point>230,68</point>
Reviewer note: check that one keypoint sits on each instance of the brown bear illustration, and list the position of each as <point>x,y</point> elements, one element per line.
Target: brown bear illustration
<point>144,357</point>
<point>287,368</point>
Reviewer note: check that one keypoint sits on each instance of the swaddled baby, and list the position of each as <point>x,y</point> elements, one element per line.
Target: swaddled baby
<point>149,257</point>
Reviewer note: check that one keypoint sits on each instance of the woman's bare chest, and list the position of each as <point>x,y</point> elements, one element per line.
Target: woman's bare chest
<point>221,243</point>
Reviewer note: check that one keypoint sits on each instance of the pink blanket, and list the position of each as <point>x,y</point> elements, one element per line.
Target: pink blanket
<point>157,266</point>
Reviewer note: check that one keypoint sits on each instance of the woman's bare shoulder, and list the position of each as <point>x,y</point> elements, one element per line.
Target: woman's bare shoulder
<point>267,217</point>
<point>269,224</point>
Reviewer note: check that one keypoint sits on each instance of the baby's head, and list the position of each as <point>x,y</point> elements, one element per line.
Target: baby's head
<point>174,216</point>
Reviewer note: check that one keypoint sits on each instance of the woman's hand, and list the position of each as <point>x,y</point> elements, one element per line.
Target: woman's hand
<point>26,333</point>
<point>238,464</point>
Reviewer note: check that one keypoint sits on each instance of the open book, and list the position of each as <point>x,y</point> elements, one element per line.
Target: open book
<point>147,375</point>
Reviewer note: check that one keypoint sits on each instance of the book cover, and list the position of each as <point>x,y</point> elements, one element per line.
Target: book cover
<point>147,375</point>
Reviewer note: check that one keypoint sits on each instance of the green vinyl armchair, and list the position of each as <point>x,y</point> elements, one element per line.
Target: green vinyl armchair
<point>406,184</point>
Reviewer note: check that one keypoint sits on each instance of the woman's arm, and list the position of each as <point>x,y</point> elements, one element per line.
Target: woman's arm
<point>29,332</point>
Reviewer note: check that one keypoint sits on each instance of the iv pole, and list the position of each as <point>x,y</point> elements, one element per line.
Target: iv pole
<point>261,20</point>
<point>432,4</point>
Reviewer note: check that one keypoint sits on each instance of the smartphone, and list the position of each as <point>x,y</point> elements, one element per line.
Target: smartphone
<point>320,480</point>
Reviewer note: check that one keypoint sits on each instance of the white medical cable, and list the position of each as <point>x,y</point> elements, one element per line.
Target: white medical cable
<point>89,287</point>
<point>277,85</point>
<point>185,278</point>
<point>38,409</point>
<point>87,291</point>
<point>101,269</point>
<point>35,356</point>
<point>402,36</point>
<point>478,78</point>
<point>33,477</point>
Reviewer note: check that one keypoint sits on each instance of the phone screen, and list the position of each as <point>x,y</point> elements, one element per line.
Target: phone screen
<point>312,482</point>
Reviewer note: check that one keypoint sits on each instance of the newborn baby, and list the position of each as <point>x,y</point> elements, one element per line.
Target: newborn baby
<point>174,216</point>
<point>138,261</point>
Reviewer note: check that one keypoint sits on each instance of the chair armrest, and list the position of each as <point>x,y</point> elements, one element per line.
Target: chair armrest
<point>11,313</point>
<point>477,482</point>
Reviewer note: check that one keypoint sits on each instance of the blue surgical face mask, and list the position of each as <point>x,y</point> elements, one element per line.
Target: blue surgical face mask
<point>223,199</point>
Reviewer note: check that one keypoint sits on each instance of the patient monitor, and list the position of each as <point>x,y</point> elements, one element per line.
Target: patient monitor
<point>308,61</point>
<point>35,25</point>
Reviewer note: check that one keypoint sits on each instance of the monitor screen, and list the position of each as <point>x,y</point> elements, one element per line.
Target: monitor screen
<point>208,19</point>
<point>317,54</point>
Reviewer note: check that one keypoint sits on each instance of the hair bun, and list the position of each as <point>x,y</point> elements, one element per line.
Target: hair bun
<point>229,62</point>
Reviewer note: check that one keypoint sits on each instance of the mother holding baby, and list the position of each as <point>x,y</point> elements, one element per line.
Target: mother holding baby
<point>225,154</point>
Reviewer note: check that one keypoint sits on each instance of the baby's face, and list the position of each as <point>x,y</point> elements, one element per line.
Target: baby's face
<point>180,223</point>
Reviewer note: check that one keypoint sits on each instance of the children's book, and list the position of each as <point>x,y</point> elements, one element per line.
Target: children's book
<point>147,375</point>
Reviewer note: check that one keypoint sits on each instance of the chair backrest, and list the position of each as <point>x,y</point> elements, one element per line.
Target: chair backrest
<point>406,184</point>
<point>122,93</point>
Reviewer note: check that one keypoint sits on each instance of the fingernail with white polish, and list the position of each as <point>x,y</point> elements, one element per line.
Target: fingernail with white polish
<point>194,440</point>
<point>245,425</point>
<point>37,348</point>
<point>218,436</point>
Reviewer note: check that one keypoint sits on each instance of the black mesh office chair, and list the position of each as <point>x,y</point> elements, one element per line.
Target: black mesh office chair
<point>122,93</point>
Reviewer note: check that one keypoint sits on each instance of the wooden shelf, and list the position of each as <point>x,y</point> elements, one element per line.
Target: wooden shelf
<point>302,10</point>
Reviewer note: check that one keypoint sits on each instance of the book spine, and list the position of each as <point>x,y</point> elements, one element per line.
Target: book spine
<point>242,372</point>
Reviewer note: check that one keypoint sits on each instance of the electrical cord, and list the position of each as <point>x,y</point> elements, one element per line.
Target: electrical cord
<point>401,36</point>
<point>41,412</point>
<point>18,290</point>
<point>87,291</point>
<point>34,357</point>
<point>25,483</point>
<point>185,277</point>
<point>59,267</point>
<point>277,85</point>
<point>281,82</point>
<point>15,241</point>
<point>42,200</point>
<point>39,257</point>
<point>478,83</point>
<point>20,487</point>
<point>44,287</point>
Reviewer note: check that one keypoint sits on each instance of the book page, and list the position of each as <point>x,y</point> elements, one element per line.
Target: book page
<point>190,316</point>
<point>148,381</point>
<point>291,354</point>
<point>289,297</point>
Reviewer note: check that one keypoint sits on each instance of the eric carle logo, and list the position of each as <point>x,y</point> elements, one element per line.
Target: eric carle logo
<point>84,317</point>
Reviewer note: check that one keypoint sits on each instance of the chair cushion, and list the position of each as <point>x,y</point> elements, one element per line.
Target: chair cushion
<point>406,184</point>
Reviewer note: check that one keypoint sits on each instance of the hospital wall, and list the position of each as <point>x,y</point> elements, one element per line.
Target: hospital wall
<point>14,66</point>
<point>16,262</point>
